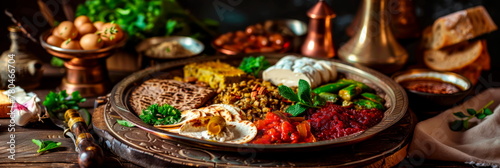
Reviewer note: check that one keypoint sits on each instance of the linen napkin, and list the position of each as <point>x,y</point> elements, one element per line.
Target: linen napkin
<point>479,145</point>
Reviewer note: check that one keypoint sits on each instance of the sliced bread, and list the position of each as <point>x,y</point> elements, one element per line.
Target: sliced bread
<point>4,105</point>
<point>454,57</point>
<point>460,26</point>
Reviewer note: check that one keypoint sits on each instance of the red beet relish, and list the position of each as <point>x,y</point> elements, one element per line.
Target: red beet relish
<point>334,121</point>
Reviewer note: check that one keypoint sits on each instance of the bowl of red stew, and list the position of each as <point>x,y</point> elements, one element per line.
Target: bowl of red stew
<point>433,88</point>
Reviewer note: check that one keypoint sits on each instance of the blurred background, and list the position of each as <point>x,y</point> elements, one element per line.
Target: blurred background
<point>237,14</point>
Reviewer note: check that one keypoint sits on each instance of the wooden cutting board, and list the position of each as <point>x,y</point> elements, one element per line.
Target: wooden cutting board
<point>385,149</point>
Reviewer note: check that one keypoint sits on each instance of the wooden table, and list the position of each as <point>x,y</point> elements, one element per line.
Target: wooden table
<point>25,150</point>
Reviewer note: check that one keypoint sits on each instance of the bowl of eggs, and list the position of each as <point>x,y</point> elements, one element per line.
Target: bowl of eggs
<point>84,46</point>
<point>83,37</point>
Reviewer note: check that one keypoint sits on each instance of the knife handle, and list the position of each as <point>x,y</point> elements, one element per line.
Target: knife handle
<point>89,154</point>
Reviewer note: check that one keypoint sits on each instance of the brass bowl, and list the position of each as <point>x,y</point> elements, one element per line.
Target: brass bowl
<point>397,103</point>
<point>424,99</point>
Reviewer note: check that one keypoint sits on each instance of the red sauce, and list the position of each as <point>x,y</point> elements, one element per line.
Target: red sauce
<point>275,130</point>
<point>430,85</point>
<point>334,121</point>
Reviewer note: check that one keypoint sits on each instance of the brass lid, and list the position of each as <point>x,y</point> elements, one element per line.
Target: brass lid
<point>321,10</point>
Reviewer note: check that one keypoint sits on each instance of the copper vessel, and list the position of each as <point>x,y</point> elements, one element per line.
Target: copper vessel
<point>86,70</point>
<point>319,41</point>
<point>373,44</point>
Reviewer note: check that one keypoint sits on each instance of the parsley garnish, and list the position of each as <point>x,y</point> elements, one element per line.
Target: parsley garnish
<point>254,65</point>
<point>463,123</point>
<point>125,123</point>
<point>45,145</point>
<point>60,102</point>
<point>160,115</point>
<point>304,98</point>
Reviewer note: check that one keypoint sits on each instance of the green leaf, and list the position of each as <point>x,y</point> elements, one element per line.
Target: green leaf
<point>57,62</point>
<point>465,125</point>
<point>37,142</point>
<point>170,26</point>
<point>460,115</point>
<point>488,111</point>
<point>288,93</point>
<point>45,145</point>
<point>481,116</point>
<point>304,92</point>
<point>456,125</point>
<point>471,111</point>
<point>296,109</point>
<point>125,123</point>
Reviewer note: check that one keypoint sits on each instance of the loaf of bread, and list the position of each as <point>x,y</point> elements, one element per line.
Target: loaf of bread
<point>458,27</point>
<point>4,105</point>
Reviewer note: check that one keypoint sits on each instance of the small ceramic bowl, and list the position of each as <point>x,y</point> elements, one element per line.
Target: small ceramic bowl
<point>427,99</point>
<point>192,45</point>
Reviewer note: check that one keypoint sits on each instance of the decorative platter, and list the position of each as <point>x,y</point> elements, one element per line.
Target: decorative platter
<point>393,93</point>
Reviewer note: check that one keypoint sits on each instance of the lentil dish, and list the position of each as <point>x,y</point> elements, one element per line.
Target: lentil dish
<point>255,97</point>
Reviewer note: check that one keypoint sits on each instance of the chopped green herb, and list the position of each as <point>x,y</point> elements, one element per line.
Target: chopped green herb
<point>45,145</point>
<point>304,98</point>
<point>463,123</point>
<point>125,123</point>
<point>160,115</point>
<point>60,102</point>
<point>254,65</point>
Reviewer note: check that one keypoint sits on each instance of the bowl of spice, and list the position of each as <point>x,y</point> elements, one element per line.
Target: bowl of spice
<point>428,87</point>
<point>170,47</point>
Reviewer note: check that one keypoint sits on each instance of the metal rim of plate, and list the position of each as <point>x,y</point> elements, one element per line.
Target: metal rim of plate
<point>386,149</point>
<point>394,92</point>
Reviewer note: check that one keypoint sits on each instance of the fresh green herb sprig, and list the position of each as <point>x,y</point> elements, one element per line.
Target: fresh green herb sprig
<point>45,145</point>
<point>57,102</point>
<point>125,123</point>
<point>304,98</point>
<point>160,115</point>
<point>463,123</point>
<point>142,19</point>
<point>254,65</point>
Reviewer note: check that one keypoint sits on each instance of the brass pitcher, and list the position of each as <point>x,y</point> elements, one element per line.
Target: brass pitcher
<point>19,67</point>
<point>373,44</point>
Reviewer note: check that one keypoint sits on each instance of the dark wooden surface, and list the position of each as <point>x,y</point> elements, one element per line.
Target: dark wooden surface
<point>25,150</point>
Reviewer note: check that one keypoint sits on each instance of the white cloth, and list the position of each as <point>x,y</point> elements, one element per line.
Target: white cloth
<point>480,145</point>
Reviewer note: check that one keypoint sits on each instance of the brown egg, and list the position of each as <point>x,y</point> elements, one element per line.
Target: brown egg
<point>86,28</point>
<point>71,44</point>
<point>55,31</point>
<point>91,42</point>
<point>67,30</point>
<point>98,25</point>
<point>111,33</point>
<point>80,20</point>
<point>55,41</point>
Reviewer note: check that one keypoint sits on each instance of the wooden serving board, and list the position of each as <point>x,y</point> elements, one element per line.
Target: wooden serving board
<point>386,149</point>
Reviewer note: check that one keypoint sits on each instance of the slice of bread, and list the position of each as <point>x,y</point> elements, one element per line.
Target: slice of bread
<point>454,57</point>
<point>473,70</point>
<point>4,105</point>
<point>460,26</point>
